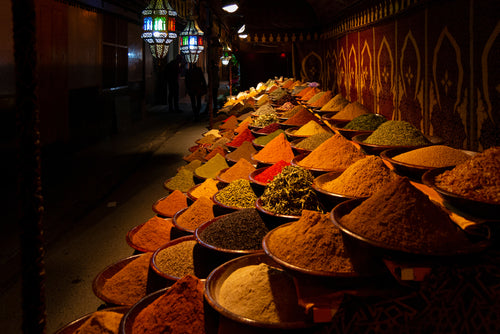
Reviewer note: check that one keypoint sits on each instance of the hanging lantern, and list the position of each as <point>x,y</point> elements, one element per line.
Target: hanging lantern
<point>159,27</point>
<point>191,41</point>
<point>226,55</point>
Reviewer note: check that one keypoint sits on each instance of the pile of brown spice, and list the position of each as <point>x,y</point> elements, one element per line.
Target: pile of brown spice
<point>361,179</point>
<point>169,205</point>
<point>402,217</point>
<point>128,285</point>
<point>433,156</point>
<point>240,170</point>
<point>179,310</point>
<point>104,321</point>
<point>335,153</point>
<point>200,211</point>
<point>478,178</point>
<point>312,243</point>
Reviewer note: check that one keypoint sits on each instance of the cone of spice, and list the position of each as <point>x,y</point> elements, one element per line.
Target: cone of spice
<point>310,128</point>
<point>351,111</point>
<point>301,117</point>
<point>269,128</point>
<point>312,142</point>
<point>312,243</point>
<point>277,149</point>
<point>217,150</point>
<point>401,216</point>
<point>243,125</point>
<point>336,153</point>
<point>200,152</point>
<point>245,151</point>
<point>192,165</point>
<point>290,113</point>
<point>196,214</point>
<point>264,140</point>
<point>433,156</point>
<point>101,322</point>
<point>477,178</point>
<point>207,188</point>
<point>237,194</point>
<point>338,102</point>
<point>153,233</point>
<point>397,133</point>
<point>322,100</point>
<point>270,172</point>
<point>365,122</point>
<point>212,167</point>
<point>290,192</point>
<point>239,230</point>
<point>230,123</point>
<point>168,206</point>
<point>361,179</point>
<point>128,285</point>
<point>179,310</point>
<point>245,135</point>
<point>240,170</point>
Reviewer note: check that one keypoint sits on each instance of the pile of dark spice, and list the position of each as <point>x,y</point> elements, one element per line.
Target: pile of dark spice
<point>401,216</point>
<point>269,128</point>
<point>290,192</point>
<point>240,230</point>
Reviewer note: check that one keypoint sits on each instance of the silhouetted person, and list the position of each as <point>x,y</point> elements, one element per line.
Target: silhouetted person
<point>196,87</point>
<point>173,70</point>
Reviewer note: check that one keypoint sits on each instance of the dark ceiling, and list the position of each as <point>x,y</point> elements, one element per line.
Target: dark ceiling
<point>272,15</point>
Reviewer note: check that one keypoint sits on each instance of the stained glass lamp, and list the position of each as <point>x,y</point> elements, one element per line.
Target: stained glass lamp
<point>226,55</point>
<point>191,41</point>
<point>159,27</point>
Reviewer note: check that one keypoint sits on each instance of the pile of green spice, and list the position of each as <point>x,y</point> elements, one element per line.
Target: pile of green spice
<point>212,167</point>
<point>263,140</point>
<point>366,122</point>
<point>239,230</point>
<point>237,194</point>
<point>290,192</point>
<point>182,181</point>
<point>264,120</point>
<point>310,143</point>
<point>261,293</point>
<point>192,165</point>
<point>397,133</point>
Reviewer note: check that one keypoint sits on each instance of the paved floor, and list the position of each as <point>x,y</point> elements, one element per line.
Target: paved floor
<point>92,199</point>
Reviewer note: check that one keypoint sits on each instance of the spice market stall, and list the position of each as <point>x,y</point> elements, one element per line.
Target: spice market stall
<point>338,239</point>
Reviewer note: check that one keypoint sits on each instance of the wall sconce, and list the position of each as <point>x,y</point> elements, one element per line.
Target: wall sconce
<point>159,27</point>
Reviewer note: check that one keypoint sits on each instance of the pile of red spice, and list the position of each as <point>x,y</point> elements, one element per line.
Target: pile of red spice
<point>270,172</point>
<point>269,128</point>
<point>245,135</point>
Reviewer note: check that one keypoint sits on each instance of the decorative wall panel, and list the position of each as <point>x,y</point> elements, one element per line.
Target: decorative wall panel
<point>436,66</point>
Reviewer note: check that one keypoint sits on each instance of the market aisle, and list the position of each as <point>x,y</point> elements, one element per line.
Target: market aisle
<point>98,240</point>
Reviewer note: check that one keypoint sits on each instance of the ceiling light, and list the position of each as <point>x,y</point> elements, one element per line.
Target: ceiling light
<point>243,36</point>
<point>242,29</point>
<point>230,6</point>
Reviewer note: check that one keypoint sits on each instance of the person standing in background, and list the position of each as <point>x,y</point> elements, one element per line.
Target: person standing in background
<point>173,71</point>
<point>196,87</point>
<point>215,84</point>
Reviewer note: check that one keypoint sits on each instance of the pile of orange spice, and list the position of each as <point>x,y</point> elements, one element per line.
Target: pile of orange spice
<point>277,149</point>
